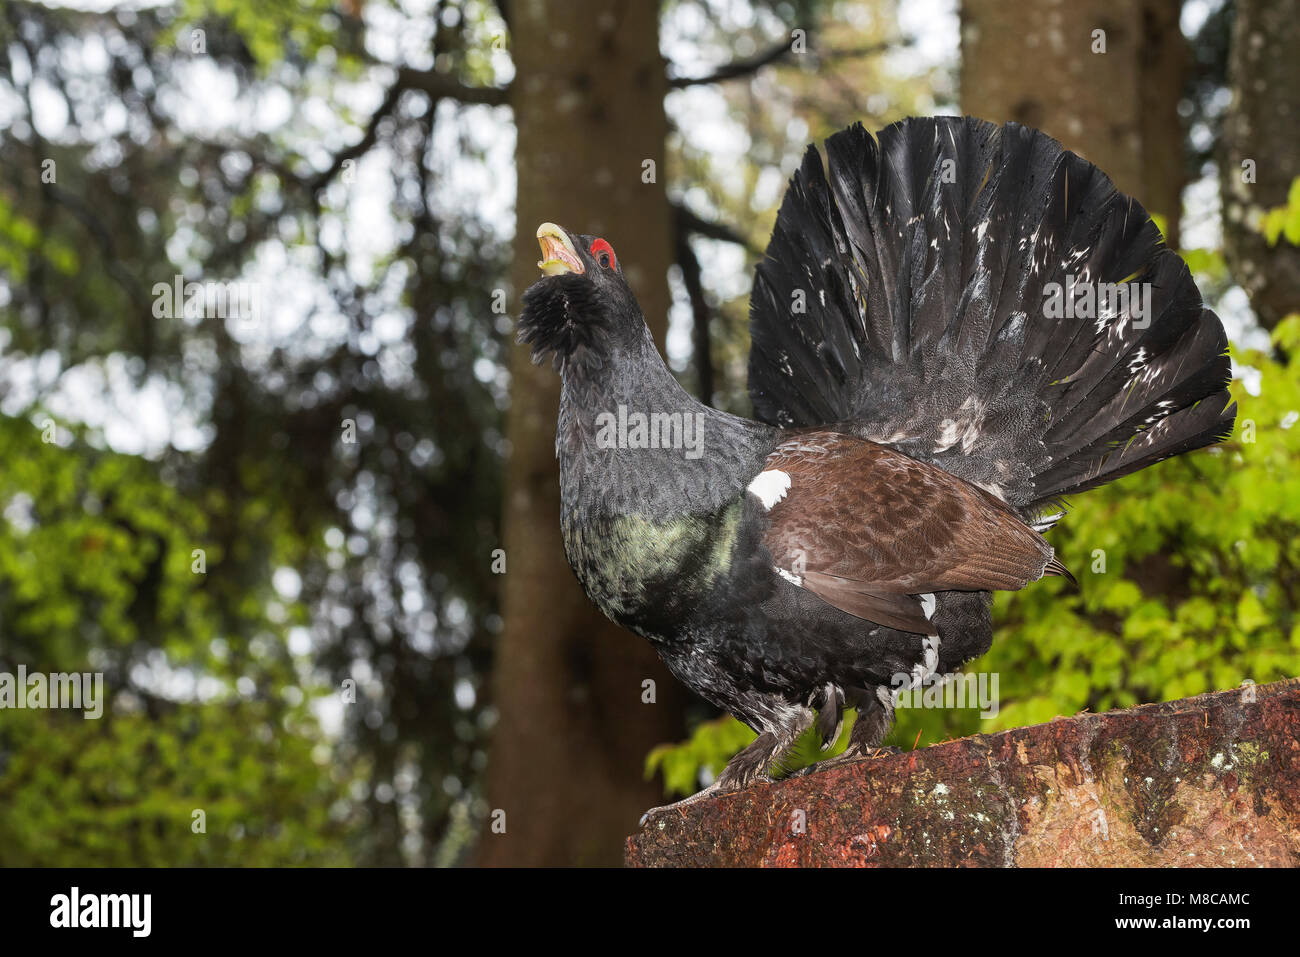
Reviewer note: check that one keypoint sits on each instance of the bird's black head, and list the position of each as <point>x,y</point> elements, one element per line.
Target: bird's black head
<point>582,309</point>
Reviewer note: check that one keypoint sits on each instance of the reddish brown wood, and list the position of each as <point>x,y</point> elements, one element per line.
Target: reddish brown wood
<point>1207,781</point>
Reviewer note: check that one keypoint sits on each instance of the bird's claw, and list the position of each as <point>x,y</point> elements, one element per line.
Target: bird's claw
<point>715,788</point>
<point>854,753</point>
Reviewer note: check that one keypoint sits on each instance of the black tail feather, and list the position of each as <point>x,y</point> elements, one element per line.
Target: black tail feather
<point>904,297</point>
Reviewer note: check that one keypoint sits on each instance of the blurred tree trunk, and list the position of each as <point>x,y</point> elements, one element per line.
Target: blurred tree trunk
<point>1261,126</point>
<point>1033,62</point>
<point>566,763</point>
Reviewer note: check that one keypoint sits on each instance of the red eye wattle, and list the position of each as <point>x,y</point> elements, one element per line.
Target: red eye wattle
<point>603,253</point>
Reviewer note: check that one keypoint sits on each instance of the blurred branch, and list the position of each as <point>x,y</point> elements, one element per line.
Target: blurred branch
<point>441,85</point>
<point>367,140</point>
<point>751,65</point>
<point>685,225</point>
<point>737,68</point>
<point>436,85</point>
<point>90,220</point>
<point>701,314</point>
<point>691,223</point>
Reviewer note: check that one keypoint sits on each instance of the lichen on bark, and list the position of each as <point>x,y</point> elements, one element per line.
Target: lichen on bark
<point>1212,780</point>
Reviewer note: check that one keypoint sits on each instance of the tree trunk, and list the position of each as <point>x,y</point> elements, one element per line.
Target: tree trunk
<point>1033,62</point>
<point>1261,127</point>
<point>566,763</point>
<point>1210,781</point>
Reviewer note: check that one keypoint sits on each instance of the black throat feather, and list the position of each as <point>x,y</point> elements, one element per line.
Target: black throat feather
<point>567,317</point>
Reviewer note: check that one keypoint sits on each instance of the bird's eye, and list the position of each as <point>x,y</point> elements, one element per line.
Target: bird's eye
<point>603,253</point>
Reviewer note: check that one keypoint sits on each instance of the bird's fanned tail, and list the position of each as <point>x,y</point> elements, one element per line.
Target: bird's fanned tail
<point>930,291</point>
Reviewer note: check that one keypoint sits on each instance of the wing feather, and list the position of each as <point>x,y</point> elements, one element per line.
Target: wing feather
<point>866,529</point>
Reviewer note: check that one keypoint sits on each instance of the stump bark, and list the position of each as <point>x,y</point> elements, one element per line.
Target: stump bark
<point>1212,780</point>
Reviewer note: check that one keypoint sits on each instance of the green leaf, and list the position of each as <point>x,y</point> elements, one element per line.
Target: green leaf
<point>1250,613</point>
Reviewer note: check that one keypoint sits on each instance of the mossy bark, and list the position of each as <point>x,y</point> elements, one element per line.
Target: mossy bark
<point>1206,781</point>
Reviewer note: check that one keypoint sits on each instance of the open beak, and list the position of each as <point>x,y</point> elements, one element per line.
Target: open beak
<point>558,254</point>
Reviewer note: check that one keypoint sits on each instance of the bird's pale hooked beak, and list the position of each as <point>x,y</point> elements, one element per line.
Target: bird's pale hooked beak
<point>558,254</point>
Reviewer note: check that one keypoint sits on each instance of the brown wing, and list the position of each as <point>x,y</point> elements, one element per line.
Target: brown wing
<point>866,528</point>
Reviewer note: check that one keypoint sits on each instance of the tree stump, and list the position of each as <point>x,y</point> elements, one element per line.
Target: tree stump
<point>1212,780</point>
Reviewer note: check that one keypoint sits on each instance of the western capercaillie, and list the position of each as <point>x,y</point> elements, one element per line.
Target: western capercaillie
<point>954,327</point>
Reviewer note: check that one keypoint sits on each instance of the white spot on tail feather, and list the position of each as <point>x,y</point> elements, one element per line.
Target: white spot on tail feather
<point>770,487</point>
<point>963,427</point>
<point>948,432</point>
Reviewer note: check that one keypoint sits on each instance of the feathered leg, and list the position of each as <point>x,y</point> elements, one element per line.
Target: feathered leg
<point>754,762</point>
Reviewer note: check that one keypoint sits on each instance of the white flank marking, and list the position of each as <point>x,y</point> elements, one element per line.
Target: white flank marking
<point>922,670</point>
<point>770,487</point>
<point>927,605</point>
<point>931,655</point>
<point>791,577</point>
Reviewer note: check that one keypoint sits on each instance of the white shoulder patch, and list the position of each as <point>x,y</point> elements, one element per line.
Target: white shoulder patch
<point>791,577</point>
<point>927,605</point>
<point>770,487</point>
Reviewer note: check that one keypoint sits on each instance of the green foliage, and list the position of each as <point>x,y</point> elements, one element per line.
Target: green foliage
<point>1284,221</point>
<point>707,749</point>
<point>1189,581</point>
<point>84,530</point>
<point>96,575</point>
<point>271,29</point>
<point>20,240</point>
<point>122,791</point>
<point>1206,264</point>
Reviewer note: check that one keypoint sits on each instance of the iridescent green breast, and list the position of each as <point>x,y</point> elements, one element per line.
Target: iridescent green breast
<point>634,567</point>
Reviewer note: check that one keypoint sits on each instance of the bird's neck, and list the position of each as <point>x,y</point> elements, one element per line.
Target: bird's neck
<point>634,376</point>
<point>631,437</point>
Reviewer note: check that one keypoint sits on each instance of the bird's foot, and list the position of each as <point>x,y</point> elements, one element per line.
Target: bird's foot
<point>748,767</point>
<point>854,752</point>
<point>684,803</point>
